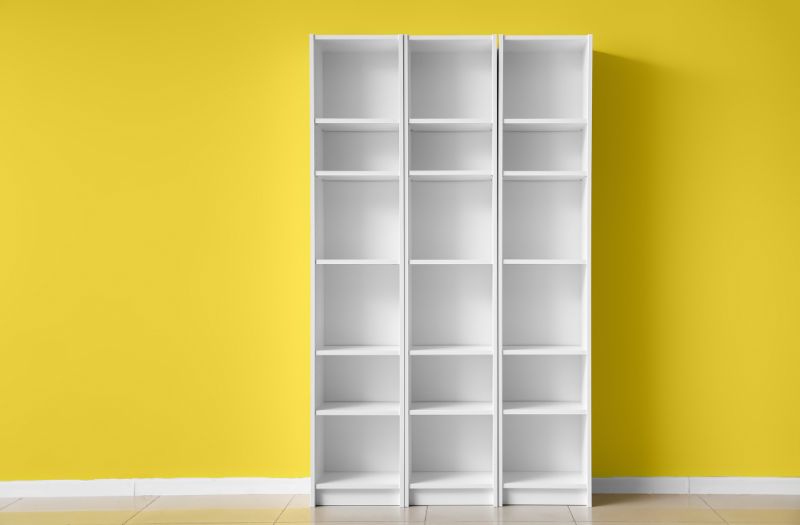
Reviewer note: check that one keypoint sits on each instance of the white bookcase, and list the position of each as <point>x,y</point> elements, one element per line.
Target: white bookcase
<point>451,265</point>
<point>358,278</point>
<point>451,111</point>
<point>544,311</point>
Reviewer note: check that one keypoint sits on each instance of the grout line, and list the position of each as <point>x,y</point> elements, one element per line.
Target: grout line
<point>571,515</point>
<point>426,513</point>
<point>712,508</point>
<point>14,500</point>
<point>284,508</point>
<point>140,510</point>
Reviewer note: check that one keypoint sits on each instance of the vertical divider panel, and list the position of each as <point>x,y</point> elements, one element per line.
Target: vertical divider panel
<point>499,263</point>
<point>496,407</point>
<point>587,250</point>
<point>406,319</point>
<point>313,362</point>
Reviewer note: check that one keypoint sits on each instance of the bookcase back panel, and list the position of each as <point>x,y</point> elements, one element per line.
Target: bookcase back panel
<point>359,220</point>
<point>451,305</point>
<point>359,305</point>
<point>358,83</point>
<point>357,151</point>
<point>451,378</point>
<point>451,220</point>
<point>359,378</point>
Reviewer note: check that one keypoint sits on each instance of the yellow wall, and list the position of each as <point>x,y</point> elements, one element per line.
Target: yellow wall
<point>154,231</point>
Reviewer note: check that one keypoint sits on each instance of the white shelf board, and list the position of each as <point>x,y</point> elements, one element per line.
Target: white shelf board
<point>449,175</point>
<point>449,124</point>
<point>359,480</point>
<point>552,175</point>
<point>357,261</point>
<point>543,350</point>
<point>365,175</point>
<point>451,480</point>
<point>450,261</point>
<point>357,350</point>
<point>543,407</point>
<point>544,261</point>
<point>543,480</point>
<point>358,408</point>
<point>544,124</point>
<point>422,350</point>
<point>451,408</point>
<point>357,124</point>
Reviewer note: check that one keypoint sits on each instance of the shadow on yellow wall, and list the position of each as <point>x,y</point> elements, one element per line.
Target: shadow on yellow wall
<point>623,259</point>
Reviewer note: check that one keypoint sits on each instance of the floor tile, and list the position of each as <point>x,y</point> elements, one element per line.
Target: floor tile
<point>72,511</point>
<point>298,501</point>
<point>5,502</point>
<point>647,523</point>
<point>647,508</point>
<point>537,522</point>
<point>65,518</point>
<point>760,515</point>
<point>658,501</point>
<point>726,501</point>
<point>535,513</point>
<point>452,513</point>
<point>120,503</point>
<point>213,509</point>
<point>354,514</point>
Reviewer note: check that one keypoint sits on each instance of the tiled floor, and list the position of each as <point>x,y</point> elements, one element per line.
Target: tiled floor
<point>257,510</point>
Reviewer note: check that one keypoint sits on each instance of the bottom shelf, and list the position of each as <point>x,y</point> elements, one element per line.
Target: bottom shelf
<point>543,480</point>
<point>451,480</point>
<point>358,480</point>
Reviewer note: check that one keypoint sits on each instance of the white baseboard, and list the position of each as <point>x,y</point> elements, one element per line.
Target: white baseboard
<point>696,485</point>
<point>212,486</point>
<point>152,487</point>
<point>66,488</point>
<point>731,485</point>
<point>656,485</point>
<point>207,486</point>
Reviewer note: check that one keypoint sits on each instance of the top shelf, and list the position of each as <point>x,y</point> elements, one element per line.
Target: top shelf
<point>449,124</point>
<point>357,124</point>
<point>451,43</point>
<point>544,124</point>
<point>545,43</point>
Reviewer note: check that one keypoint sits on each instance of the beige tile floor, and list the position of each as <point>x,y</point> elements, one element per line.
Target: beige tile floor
<point>258,510</point>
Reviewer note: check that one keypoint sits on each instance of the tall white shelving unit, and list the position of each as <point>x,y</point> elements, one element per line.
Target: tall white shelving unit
<point>358,281</point>
<point>545,152</point>
<point>451,113</point>
<point>451,192</point>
